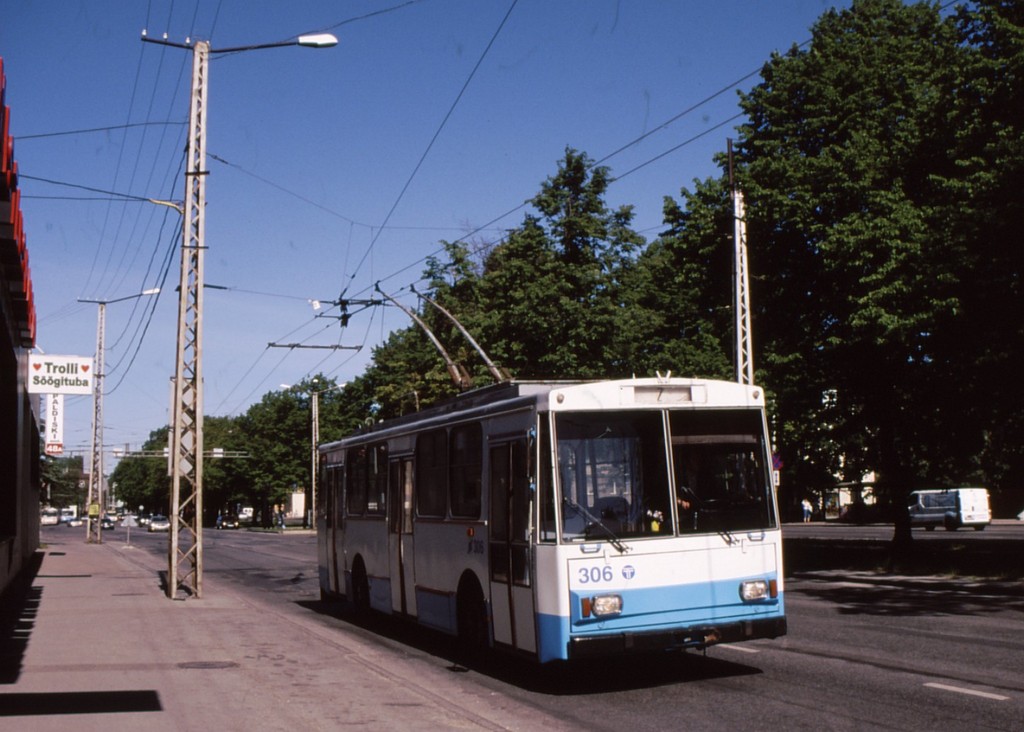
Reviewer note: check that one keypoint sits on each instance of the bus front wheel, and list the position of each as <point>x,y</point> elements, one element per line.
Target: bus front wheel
<point>360,588</point>
<point>471,616</point>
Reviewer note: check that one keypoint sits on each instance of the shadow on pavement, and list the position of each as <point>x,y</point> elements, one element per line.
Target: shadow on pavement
<point>909,596</point>
<point>19,606</point>
<point>993,559</point>
<point>78,702</point>
<point>595,676</point>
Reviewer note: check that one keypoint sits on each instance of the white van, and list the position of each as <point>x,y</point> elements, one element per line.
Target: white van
<point>950,508</point>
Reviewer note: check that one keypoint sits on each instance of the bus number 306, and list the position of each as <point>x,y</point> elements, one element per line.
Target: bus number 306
<point>593,575</point>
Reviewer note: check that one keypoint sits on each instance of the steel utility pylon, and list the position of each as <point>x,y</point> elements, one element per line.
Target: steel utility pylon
<point>185,559</point>
<point>744,346</point>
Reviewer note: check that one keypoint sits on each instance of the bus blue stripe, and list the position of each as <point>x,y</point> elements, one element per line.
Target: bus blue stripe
<point>655,609</point>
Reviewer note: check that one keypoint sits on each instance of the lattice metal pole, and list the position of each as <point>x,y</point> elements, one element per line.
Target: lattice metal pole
<point>186,510</point>
<point>744,347</point>
<point>741,287</point>
<point>93,533</point>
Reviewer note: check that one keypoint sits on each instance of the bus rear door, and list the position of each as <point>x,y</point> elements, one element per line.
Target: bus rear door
<point>512,607</point>
<point>400,538</point>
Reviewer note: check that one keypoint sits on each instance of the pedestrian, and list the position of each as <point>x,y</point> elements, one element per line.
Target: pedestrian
<point>808,508</point>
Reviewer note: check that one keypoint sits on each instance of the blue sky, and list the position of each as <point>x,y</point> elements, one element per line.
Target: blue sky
<point>334,168</point>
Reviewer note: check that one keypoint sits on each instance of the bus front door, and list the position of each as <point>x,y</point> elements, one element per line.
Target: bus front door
<point>400,540</point>
<point>512,607</point>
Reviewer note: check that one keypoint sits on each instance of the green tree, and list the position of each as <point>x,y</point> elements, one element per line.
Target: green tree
<point>984,208</point>
<point>62,481</point>
<point>864,164</point>
<point>681,314</point>
<point>142,479</point>
<point>224,470</point>
<point>554,296</point>
<point>276,434</point>
<point>551,301</point>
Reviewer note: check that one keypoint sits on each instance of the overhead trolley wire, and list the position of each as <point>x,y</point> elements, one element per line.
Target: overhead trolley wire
<point>437,134</point>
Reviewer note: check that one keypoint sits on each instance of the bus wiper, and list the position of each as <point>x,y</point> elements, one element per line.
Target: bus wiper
<point>594,521</point>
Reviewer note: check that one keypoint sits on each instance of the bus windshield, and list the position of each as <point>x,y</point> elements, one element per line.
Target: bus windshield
<point>616,482</point>
<point>720,473</point>
<point>613,475</point>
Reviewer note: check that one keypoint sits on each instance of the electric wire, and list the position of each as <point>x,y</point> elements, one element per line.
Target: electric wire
<point>103,238</point>
<point>437,134</point>
<point>108,128</point>
<point>396,273</point>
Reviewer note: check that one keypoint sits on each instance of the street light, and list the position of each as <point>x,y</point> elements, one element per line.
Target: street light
<point>187,422</point>
<point>93,531</point>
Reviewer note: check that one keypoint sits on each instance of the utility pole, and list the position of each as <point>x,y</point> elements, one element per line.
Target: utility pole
<point>744,347</point>
<point>93,532</point>
<point>96,497</point>
<point>185,560</point>
<point>314,466</point>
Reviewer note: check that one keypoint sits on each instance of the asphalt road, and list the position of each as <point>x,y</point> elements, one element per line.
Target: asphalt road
<point>864,651</point>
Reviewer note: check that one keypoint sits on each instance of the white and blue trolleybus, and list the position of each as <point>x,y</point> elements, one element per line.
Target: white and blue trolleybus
<point>563,520</point>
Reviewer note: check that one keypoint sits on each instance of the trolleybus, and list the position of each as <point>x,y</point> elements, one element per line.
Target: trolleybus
<point>563,520</point>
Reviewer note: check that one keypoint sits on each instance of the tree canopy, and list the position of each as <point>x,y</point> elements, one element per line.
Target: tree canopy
<point>880,164</point>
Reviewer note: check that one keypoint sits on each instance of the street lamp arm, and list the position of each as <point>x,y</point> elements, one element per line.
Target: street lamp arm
<point>179,207</point>
<point>151,291</point>
<point>164,42</point>
<point>311,40</point>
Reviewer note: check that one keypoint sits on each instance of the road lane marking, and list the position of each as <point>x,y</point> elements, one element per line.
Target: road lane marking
<point>739,648</point>
<point>972,692</point>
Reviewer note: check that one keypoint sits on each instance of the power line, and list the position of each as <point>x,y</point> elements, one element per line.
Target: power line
<point>437,134</point>
<point>113,195</point>
<point>109,128</point>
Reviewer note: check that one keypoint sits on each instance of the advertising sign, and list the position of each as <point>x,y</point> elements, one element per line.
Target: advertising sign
<point>59,374</point>
<point>55,424</point>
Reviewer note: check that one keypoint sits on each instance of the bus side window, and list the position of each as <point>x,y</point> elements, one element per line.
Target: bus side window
<point>432,473</point>
<point>466,465</point>
<point>377,479</point>
<point>356,481</point>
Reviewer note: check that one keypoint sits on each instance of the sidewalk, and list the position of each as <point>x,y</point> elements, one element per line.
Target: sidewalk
<point>97,637</point>
<point>98,646</point>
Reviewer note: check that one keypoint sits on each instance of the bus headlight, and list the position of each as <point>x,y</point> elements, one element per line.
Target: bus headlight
<point>602,605</point>
<point>753,590</point>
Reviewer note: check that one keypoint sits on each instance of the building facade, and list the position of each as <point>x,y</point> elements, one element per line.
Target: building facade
<point>19,426</point>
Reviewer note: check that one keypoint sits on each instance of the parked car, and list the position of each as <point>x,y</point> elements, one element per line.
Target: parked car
<point>158,522</point>
<point>227,521</point>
